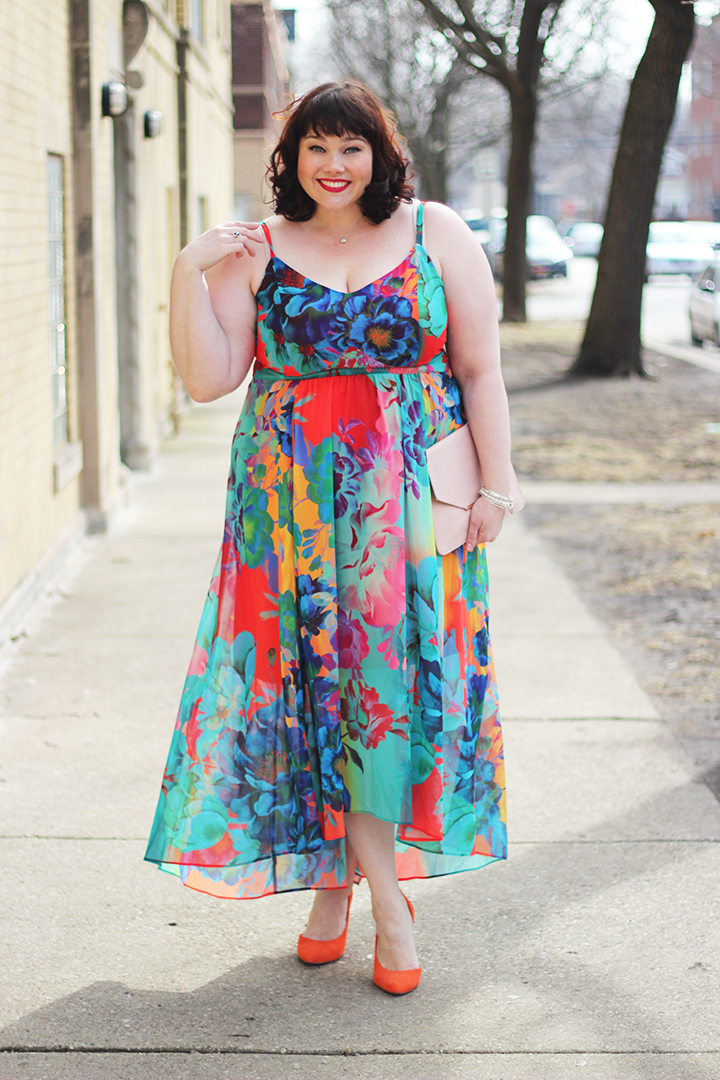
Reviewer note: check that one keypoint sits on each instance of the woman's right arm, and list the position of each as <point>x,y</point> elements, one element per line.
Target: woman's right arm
<point>213,310</point>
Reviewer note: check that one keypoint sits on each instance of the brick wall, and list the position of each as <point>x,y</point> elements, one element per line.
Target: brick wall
<point>41,505</point>
<point>248,37</point>
<point>34,121</point>
<point>248,66</point>
<point>704,126</point>
<point>260,88</point>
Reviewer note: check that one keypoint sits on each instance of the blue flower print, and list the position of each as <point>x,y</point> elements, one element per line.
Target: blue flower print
<point>381,327</point>
<point>298,311</point>
<point>414,450</point>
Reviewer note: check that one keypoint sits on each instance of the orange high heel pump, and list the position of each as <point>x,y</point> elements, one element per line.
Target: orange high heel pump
<point>311,951</point>
<point>396,982</point>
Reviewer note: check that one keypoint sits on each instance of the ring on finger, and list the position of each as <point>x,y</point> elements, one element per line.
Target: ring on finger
<point>236,235</point>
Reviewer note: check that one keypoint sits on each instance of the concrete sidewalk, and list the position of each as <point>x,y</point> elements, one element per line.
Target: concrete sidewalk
<point>595,947</point>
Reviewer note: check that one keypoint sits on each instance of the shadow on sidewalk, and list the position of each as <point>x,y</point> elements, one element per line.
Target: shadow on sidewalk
<point>572,946</point>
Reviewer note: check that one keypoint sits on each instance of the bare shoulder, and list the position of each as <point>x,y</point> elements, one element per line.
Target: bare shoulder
<point>276,223</point>
<point>441,220</point>
<point>282,231</point>
<point>437,211</point>
<point>450,242</point>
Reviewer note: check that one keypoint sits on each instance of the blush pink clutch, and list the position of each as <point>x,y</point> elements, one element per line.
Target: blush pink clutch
<point>455,482</point>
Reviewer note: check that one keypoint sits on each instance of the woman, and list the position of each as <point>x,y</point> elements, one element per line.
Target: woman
<point>339,718</point>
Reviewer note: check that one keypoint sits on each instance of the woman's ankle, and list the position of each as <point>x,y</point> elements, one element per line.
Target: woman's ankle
<point>389,904</point>
<point>332,896</point>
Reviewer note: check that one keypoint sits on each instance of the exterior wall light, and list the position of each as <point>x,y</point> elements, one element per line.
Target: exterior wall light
<point>152,123</point>
<point>114,99</point>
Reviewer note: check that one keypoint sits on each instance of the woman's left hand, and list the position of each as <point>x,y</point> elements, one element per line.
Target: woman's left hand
<point>486,521</point>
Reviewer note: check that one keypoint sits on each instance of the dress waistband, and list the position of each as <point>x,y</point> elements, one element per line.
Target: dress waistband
<point>268,374</point>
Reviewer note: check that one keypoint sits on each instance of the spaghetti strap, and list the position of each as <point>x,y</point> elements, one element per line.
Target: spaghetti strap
<point>268,237</point>
<point>419,222</point>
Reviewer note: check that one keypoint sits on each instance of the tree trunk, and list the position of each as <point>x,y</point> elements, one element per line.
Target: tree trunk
<point>430,152</point>
<point>523,91</point>
<point>523,110</point>
<point>611,346</point>
<point>431,169</point>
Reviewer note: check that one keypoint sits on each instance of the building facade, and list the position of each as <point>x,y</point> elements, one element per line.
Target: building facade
<point>704,135</point>
<point>260,87</point>
<point>94,204</point>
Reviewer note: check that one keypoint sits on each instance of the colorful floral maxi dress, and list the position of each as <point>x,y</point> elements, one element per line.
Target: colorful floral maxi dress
<point>341,664</point>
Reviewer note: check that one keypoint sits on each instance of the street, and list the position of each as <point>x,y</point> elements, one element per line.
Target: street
<point>665,302</point>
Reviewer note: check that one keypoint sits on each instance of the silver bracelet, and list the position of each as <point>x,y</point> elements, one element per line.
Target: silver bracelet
<point>504,502</point>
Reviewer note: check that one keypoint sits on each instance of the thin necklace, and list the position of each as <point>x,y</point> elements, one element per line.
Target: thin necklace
<point>344,239</point>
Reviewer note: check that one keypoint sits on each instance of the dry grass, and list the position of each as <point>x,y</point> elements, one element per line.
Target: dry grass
<point>651,573</point>
<point>629,430</point>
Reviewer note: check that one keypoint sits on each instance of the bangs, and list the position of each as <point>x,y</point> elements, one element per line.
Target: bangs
<point>336,111</point>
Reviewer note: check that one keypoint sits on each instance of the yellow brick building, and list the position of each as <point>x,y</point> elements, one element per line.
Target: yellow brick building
<point>93,209</point>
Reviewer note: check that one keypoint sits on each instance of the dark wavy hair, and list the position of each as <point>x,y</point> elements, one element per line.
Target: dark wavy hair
<point>340,108</point>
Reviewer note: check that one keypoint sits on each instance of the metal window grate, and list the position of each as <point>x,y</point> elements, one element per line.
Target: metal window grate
<point>56,275</point>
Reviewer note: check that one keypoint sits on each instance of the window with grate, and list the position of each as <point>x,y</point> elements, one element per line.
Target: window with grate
<point>56,275</point>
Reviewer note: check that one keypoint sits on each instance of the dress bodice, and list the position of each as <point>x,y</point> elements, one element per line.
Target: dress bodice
<point>397,322</point>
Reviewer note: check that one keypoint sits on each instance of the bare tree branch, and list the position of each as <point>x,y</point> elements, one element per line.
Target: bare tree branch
<point>420,76</point>
<point>471,50</point>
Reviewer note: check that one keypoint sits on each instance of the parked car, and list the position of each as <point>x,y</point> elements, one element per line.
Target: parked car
<point>545,253</point>
<point>584,237</point>
<point>704,306</point>
<point>673,248</point>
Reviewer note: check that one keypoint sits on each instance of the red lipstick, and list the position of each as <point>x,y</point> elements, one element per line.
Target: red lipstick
<point>334,185</point>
